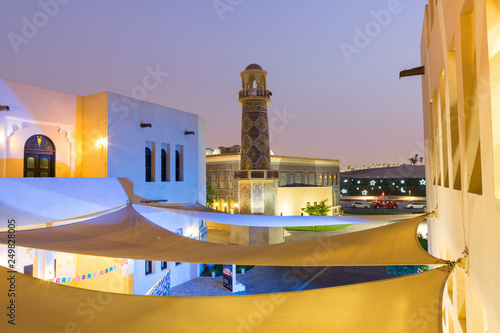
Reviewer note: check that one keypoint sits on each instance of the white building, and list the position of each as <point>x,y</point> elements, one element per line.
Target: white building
<point>99,152</point>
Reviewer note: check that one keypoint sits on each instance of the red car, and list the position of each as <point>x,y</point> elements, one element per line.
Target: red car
<point>385,204</point>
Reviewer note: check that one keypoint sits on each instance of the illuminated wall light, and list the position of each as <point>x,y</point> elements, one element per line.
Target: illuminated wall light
<point>102,142</point>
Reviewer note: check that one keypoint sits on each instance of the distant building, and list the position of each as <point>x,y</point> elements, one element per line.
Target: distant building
<point>302,180</point>
<point>64,156</point>
<point>398,183</point>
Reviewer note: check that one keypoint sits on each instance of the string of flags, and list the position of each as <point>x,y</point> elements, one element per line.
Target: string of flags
<point>86,276</point>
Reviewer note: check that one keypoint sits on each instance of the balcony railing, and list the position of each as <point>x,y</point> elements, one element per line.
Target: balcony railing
<point>254,92</point>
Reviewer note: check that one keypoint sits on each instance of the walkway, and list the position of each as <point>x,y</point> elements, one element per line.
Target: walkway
<point>268,279</point>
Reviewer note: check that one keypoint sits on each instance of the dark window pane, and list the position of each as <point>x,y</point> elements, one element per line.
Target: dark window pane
<point>148,165</point>
<point>163,165</point>
<point>177,165</point>
<point>30,162</point>
<point>148,267</point>
<point>44,163</point>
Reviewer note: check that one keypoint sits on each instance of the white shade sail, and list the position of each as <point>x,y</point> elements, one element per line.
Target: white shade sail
<point>125,233</point>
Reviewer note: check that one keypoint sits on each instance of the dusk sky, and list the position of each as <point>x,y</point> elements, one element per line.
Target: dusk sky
<point>332,66</point>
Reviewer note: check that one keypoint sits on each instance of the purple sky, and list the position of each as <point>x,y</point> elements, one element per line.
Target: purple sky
<point>323,105</point>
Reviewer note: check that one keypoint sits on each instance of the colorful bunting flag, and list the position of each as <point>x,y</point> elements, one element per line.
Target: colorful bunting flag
<point>86,276</point>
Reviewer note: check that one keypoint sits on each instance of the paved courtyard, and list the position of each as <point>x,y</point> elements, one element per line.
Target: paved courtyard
<point>267,279</point>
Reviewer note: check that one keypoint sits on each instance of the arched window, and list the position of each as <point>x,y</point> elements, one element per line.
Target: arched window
<point>179,172</point>
<point>39,157</point>
<point>149,174</point>
<point>164,166</point>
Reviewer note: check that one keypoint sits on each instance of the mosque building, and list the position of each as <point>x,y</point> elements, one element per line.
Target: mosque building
<point>250,179</point>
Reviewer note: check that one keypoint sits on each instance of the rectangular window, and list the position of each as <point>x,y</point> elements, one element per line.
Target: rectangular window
<point>28,270</point>
<point>179,163</point>
<point>222,179</point>
<point>165,162</point>
<point>164,265</point>
<point>312,179</point>
<point>213,179</point>
<point>148,269</point>
<point>149,162</point>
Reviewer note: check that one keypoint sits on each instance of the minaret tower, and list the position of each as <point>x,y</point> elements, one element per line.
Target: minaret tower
<point>254,97</point>
<point>256,181</point>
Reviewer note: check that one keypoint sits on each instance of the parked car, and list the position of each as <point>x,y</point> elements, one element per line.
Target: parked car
<point>416,204</point>
<point>385,204</point>
<point>358,204</point>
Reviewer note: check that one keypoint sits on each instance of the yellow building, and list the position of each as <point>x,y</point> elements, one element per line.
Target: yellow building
<point>460,51</point>
<point>64,156</point>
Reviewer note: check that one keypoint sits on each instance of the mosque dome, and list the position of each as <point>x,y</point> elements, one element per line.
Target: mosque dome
<point>253,66</point>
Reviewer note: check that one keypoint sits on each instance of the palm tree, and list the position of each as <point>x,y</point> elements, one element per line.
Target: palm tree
<point>414,160</point>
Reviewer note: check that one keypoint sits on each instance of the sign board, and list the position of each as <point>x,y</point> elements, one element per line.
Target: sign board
<point>229,277</point>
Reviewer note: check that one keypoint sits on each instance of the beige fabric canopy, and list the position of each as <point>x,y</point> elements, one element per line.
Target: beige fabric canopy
<point>127,234</point>
<point>400,305</point>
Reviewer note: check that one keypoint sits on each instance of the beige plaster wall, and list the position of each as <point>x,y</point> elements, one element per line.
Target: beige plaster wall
<point>290,200</point>
<point>459,50</point>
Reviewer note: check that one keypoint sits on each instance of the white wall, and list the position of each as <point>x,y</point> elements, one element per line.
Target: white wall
<point>179,274</point>
<point>127,142</point>
<point>36,110</point>
<point>290,200</point>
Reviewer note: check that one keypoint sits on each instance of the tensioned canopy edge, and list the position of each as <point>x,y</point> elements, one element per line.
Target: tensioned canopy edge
<point>405,304</point>
<point>198,211</point>
<point>125,233</point>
